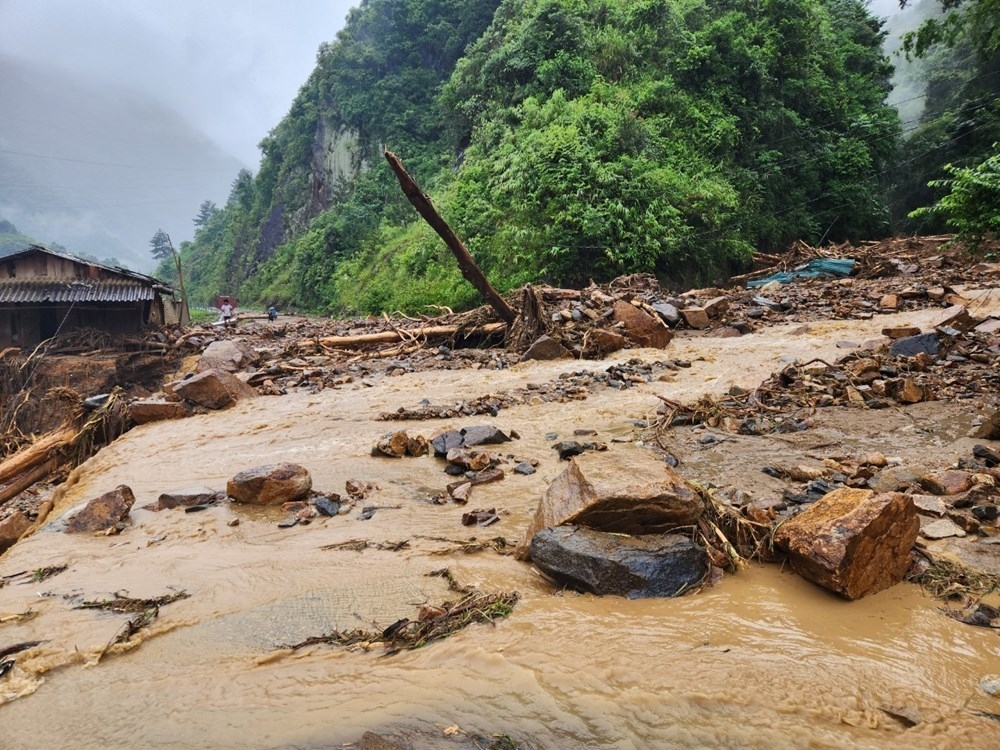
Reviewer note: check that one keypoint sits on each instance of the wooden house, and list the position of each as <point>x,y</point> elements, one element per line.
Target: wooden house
<point>43,292</point>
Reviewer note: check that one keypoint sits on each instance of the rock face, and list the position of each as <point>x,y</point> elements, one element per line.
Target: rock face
<point>602,563</point>
<point>270,485</point>
<point>629,491</point>
<point>854,542</point>
<point>102,513</point>
<point>641,328</point>
<point>213,389</point>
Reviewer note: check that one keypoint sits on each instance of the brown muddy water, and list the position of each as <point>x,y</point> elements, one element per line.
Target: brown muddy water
<point>761,660</point>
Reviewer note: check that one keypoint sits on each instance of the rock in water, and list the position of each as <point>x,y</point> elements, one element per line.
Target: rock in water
<point>273,484</point>
<point>213,389</point>
<point>854,542</point>
<point>636,567</point>
<point>629,491</point>
<point>102,513</point>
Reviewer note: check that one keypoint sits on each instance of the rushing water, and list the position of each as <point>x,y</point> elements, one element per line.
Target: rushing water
<point>761,660</point>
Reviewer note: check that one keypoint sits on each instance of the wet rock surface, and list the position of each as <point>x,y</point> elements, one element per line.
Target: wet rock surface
<point>273,484</point>
<point>613,564</point>
<point>853,542</point>
<point>104,513</point>
<point>628,491</point>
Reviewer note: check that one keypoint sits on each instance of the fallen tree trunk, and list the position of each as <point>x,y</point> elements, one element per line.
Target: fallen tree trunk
<point>36,453</point>
<point>466,263</point>
<point>392,337</point>
<point>23,481</point>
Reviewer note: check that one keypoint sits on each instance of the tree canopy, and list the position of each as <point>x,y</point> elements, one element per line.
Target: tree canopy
<point>564,140</point>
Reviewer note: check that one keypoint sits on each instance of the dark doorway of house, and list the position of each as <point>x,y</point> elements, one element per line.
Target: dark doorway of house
<point>48,323</point>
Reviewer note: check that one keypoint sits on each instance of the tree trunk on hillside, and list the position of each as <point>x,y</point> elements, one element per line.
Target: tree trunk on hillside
<point>466,263</point>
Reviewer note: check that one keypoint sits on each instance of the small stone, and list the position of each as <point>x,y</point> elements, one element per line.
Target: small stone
<point>941,529</point>
<point>930,505</point>
<point>103,513</point>
<point>546,348</point>
<point>524,468</point>
<point>986,513</point>
<point>889,302</point>
<point>900,332</point>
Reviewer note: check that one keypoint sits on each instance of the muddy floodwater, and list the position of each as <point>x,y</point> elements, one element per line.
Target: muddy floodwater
<point>763,659</point>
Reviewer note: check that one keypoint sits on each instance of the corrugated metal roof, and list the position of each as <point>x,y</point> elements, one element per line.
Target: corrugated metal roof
<point>36,290</point>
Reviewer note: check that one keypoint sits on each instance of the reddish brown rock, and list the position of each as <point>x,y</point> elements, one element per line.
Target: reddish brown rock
<point>629,491</point>
<point>270,485</point>
<point>900,332</point>
<point>11,529</point>
<point>853,542</point>
<point>103,513</point>
<point>990,428</point>
<point>640,327</point>
<point>889,302</point>
<point>546,348</point>
<point>213,389</point>
<point>716,307</point>
<point>152,410</point>
<point>695,317</point>
<point>600,342</point>
<point>950,482</point>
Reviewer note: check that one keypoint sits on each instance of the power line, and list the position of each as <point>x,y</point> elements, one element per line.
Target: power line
<point>113,164</point>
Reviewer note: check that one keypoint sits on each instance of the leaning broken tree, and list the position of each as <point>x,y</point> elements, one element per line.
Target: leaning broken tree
<point>467,265</point>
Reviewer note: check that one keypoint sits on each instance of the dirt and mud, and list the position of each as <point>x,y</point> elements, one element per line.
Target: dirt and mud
<point>759,659</point>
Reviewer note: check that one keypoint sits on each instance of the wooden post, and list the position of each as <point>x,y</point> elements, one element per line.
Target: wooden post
<point>466,263</point>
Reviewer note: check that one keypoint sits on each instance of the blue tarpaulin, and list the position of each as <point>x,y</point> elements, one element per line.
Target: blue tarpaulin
<point>826,268</point>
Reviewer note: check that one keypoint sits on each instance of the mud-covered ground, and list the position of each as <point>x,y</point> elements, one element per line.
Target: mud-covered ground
<point>760,659</point>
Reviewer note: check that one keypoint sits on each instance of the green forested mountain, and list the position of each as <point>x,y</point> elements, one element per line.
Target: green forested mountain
<point>564,140</point>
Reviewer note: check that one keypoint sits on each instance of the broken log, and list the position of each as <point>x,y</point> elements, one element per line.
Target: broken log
<point>26,479</point>
<point>36,453</point>
<point>392,337</point>
<point>470,271</point>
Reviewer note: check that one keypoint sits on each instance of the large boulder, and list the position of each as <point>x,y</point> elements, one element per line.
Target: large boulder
<point>228,355</point>
<point>629,491</point>
<point>632,566</point>
<point>852,541</point>
<point>273,484</point>
<point>213,389</point>
<point>641,328</point>
<point>103,513</point>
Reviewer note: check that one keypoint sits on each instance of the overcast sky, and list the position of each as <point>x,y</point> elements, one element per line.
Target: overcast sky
<point>232,67</point>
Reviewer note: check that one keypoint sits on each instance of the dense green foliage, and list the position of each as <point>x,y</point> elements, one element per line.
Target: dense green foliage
<point>971,203</point>
<point>953,146</point>
<point>564,140</point>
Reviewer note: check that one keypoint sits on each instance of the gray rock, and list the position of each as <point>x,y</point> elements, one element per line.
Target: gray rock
<point>668,313</point>
<point>911,346</point>
<point>227,355</point>
<point>446,441</point>
<point>483,435</point>
<point>941,529</point>
<point>636,567</point>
